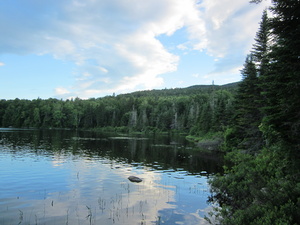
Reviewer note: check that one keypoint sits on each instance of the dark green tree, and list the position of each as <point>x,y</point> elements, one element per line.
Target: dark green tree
<point>261,47</point>
<point>264,188</point>
<point>282,85</point>
<point>245,130</point>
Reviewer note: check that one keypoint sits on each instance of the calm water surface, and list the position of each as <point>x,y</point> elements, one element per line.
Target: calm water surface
<point>68,177</point>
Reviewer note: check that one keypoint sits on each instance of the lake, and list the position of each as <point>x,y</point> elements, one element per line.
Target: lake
<point>75,177</point>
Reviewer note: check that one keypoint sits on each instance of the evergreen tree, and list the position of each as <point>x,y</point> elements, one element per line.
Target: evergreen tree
<point>265,188</point>
<point>261,47</point>
<point>260,52</point>
<point>247,106</point>
<point>282,85</point>
<point>245,133</point>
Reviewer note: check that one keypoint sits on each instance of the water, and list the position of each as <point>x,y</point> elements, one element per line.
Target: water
<point>68,177</point>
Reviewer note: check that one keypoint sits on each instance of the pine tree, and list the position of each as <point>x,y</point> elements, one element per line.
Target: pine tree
<point>261,47</point>
<point>264,188</point>
<point>283,81</point>
<point>260,51</point>
<point>247,106</point>
<point>249,99</point>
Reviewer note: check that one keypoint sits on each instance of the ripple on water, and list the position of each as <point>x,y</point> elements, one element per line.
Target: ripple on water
<point>80,182</point>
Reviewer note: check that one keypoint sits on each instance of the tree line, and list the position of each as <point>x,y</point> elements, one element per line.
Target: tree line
<point>198,109</point>
<point>261,180</point>
<point>260,121</point>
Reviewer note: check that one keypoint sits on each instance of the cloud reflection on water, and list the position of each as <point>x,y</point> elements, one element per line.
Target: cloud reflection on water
<point>63,187</point>
<point>98,194</point>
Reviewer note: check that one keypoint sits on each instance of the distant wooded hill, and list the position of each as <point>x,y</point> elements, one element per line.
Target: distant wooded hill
<point>197,109</point>
<point>195,89</point>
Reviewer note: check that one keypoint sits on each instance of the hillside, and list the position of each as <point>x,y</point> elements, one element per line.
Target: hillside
<point>198,109</point>
<point>195,89</point>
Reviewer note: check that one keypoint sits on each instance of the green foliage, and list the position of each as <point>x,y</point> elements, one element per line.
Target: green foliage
<point>245,132</point>
<point>231,139</point>
<point>261,47</point>
<point>199,108</point>
<point>261,184</point>
<point>282,89</point>
<point>257,189</point>
<point>248,115</point>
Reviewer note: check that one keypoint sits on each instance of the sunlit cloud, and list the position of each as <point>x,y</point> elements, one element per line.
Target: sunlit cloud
<point>115,44</point>
<point>229,25</point>
<point>61,91</point>
<point>104,70</point>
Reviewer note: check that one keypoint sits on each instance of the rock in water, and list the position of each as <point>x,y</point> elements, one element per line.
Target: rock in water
<point>135,179</point>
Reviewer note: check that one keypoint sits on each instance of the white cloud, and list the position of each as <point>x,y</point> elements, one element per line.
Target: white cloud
<point>61,91</point>
<point>229,26</point>
<point>104,70</point>
<point>86,74</point>
<point>114,42</point>
<point>2,64</point>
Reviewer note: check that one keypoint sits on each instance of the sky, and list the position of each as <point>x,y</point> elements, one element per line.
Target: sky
<point>94,48</point>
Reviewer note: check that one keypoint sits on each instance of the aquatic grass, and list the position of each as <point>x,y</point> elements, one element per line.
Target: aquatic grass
<point>67,222</point>
<point>21,216</point>
<point>90,214</point>
<point>93,188</point>
<point>102,204</point>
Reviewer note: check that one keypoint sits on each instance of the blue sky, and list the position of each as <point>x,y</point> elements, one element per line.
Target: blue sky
<point>93,48</point>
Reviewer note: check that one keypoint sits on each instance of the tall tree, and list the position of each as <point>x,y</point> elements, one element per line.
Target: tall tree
<point>245,133</point>
<point>283,81</point>
<point>247,105</point>
<point>264,188</point>
<point>261,47</point>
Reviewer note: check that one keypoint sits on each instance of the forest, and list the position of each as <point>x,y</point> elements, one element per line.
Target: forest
<point>261,180</point>
<point>258,118</point>
<point>197,109</point>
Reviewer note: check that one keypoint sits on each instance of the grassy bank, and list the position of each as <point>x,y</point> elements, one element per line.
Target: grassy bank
<point>209,141</point>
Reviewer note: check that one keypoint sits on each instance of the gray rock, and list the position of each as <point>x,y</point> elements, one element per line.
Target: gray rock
<point>135,179</point>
